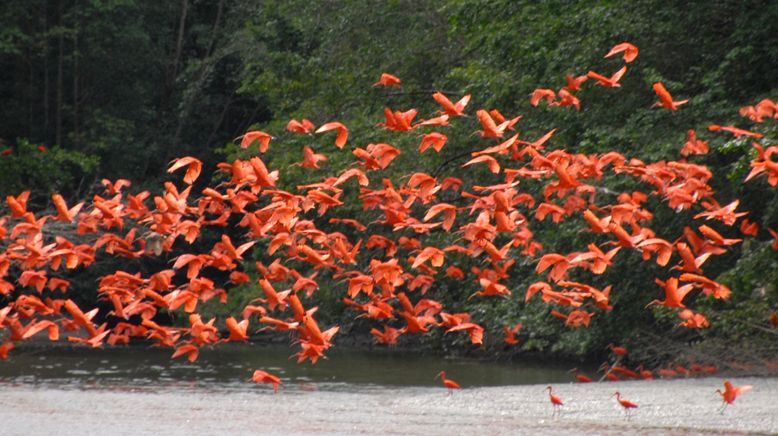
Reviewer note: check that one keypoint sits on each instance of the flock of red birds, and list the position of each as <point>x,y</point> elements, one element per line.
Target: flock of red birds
<point>728,397</point>
<point>612,373</point>
<point>389,270</point>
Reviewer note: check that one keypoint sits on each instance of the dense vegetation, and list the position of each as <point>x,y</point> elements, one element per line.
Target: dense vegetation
<point>119,88</point>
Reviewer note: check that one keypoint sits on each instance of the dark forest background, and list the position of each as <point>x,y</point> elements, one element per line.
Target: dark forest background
<point>117,88</point>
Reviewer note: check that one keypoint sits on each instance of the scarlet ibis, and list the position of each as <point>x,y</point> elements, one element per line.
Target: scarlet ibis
<point>447,382</point>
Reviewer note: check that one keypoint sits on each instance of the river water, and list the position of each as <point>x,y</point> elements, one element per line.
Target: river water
<point>231,365</point>
<point>135,391</point>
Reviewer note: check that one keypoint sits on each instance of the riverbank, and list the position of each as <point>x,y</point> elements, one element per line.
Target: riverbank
<point>684,406</point>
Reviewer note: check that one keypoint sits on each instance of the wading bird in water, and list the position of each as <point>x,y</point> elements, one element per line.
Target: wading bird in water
<point>626,404</point>
<point>447,382</point>
<point>556,401</point>
<point>730,393</point>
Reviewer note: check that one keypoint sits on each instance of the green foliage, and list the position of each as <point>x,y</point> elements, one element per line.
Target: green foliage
<point>313,64</point>
<point>130,98</point>
<point>45,170</point>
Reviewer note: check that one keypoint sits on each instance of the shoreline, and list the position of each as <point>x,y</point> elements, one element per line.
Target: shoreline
<point>749,367</point>
<point>683,406</point>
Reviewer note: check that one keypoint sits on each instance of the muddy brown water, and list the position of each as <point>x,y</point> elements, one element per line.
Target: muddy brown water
<point>230,365</point>
<point>131,391</point>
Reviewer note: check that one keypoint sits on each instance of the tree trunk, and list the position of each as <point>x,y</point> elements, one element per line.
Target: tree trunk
<point>216,24</point>
<point>31,94</point>
<point>192,97</point>
<point>219,122</point>
<point>75,74</point>
<point>173,71</point>
<point>60,56</point>
<point>45,72</point>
